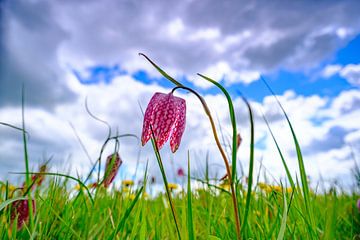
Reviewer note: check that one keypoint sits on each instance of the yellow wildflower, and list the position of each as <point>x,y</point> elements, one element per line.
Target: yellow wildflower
<point>225,186</point>
<point>145,195</point>
<point>127,183</point>
<point>132,196</point>
<point>172,186</point>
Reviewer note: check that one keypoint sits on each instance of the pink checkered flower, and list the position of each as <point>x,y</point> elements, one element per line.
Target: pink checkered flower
<point>111,168</point>
<point>165,116</point>
<point>20,210</point>
<point>180,172</point>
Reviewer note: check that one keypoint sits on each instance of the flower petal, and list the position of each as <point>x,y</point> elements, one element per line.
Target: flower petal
<point>148,117</point>
<point>164,117</point>
<point>179,125</point>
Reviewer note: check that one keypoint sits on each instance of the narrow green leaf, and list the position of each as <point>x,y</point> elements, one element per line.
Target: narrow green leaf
<point>62,175</point>
<point>251,166</point>
<point>283,219</point>
<point>162,170</point>
<point>161,71</point>
<point>303,176</point>
<point>189,205</point>
<point>281,155</point>
<point>121,224</point>
<point>9,201</point>
<point>233,124</point>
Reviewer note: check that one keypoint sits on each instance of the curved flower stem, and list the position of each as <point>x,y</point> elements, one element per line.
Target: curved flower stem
<point>102,150</point>
<point>222,152</point>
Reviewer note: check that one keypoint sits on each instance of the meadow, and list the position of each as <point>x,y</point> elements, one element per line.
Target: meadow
<point>48,206</point>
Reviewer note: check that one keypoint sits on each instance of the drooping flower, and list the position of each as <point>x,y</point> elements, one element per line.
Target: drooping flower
<point>113,163</point>
<point>180,172</point>
<point>358,204</point>
<point>20,209</point>
<point>165,115</point>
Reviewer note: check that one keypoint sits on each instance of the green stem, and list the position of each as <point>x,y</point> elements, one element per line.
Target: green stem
<point>27,176</point>
<point>222,152</point>
<point>168,193</point>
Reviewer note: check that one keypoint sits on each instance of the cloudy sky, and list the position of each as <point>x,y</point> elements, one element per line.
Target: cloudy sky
<point>66,51</point>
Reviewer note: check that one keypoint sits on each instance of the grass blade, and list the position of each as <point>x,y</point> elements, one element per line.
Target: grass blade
<point>63,175</point>
<point>9,201</point>
<point>233,123</point>
<point>281,155</point>
<point>303,176</point>
<point>283,219</point>
<point>251,165</point>
<point>121,224</point>
<point>168,194</point>
<point>189,205</point>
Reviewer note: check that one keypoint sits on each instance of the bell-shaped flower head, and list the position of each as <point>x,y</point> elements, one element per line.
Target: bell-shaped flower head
<point>165,115</point>
<point>113,163</point>
<point>20,209</point>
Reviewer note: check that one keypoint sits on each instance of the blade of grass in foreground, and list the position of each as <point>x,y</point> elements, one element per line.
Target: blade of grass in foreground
<point>251,166</point>
<point>284,218</point>
<point>62,175</point>
<point>137,219</point>
<point>121,224</point>
<point>26,158</point>
<point>12,126</point>
<point>9,201</point>
<point>168,194</point>
<point>233,124</point>
<point>189,207</point>
<point>281,155</point>
<point>63,221</point>
<point>303,176</point>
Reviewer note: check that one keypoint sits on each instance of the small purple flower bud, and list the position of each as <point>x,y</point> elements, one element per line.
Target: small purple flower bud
<point>113,163</point>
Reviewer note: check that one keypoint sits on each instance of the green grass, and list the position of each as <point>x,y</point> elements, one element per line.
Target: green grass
<point>62,215</point>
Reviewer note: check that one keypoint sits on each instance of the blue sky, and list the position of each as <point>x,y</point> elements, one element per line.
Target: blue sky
<point>75,51</point>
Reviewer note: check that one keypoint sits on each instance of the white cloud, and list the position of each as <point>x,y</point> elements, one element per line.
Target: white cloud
<point>117,104</point>
<point>351,73</point>
<point>175,28</point>
<point>331,70</point>
<point>224,43</point>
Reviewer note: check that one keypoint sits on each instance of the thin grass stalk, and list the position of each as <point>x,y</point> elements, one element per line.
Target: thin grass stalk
<point>121,224</point>
<point>62,175</point>
<point>161,166</point>
<point>26,157</point>
<point>103,149</point>
<point>281,155</point>
<point>303,176</point>
<point>223,154</point>
<point>284,218</point>
<point>189,205</point>
<point>233,124</point>
<point>251,165</point>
